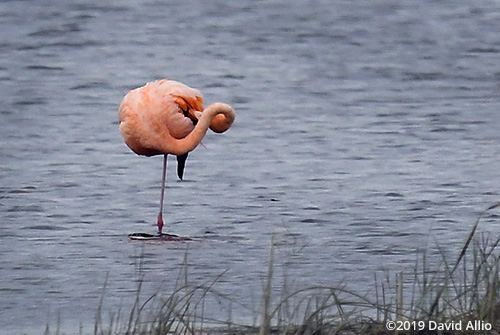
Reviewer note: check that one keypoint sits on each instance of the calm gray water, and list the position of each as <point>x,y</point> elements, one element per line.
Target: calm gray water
<point>365,131</point>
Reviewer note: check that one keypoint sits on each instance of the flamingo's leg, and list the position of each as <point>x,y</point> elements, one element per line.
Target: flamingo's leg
<point>163,179</point>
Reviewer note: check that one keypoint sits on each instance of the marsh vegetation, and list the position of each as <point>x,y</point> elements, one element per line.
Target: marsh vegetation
<point>454,296</point>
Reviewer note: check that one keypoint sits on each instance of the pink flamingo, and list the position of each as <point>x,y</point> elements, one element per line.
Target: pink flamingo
<point>167,117</point>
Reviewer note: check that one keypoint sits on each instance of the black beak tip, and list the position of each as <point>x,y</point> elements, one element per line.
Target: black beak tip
<point>181,163</point>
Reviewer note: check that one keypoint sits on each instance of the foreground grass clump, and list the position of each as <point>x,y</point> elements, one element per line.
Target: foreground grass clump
<point>457,297</point>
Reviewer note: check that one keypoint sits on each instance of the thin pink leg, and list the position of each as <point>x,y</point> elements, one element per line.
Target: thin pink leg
<point>163,179</point>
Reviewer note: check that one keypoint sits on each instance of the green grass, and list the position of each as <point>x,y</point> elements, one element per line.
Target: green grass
<point>454,291</point>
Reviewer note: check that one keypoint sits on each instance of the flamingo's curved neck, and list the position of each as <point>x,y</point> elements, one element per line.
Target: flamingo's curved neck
<point>218,116</point>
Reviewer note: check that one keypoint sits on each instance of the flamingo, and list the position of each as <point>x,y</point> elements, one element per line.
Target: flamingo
<point>167,117</point>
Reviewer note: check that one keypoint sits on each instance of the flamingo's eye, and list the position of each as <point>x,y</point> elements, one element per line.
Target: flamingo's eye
<point>189,114</point>
<point>185,112</point>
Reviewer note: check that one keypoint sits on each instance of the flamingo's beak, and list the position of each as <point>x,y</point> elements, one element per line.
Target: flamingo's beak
<point>181,163</point>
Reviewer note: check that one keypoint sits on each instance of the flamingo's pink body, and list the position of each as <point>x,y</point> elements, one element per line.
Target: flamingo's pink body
<point>167,117</point>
